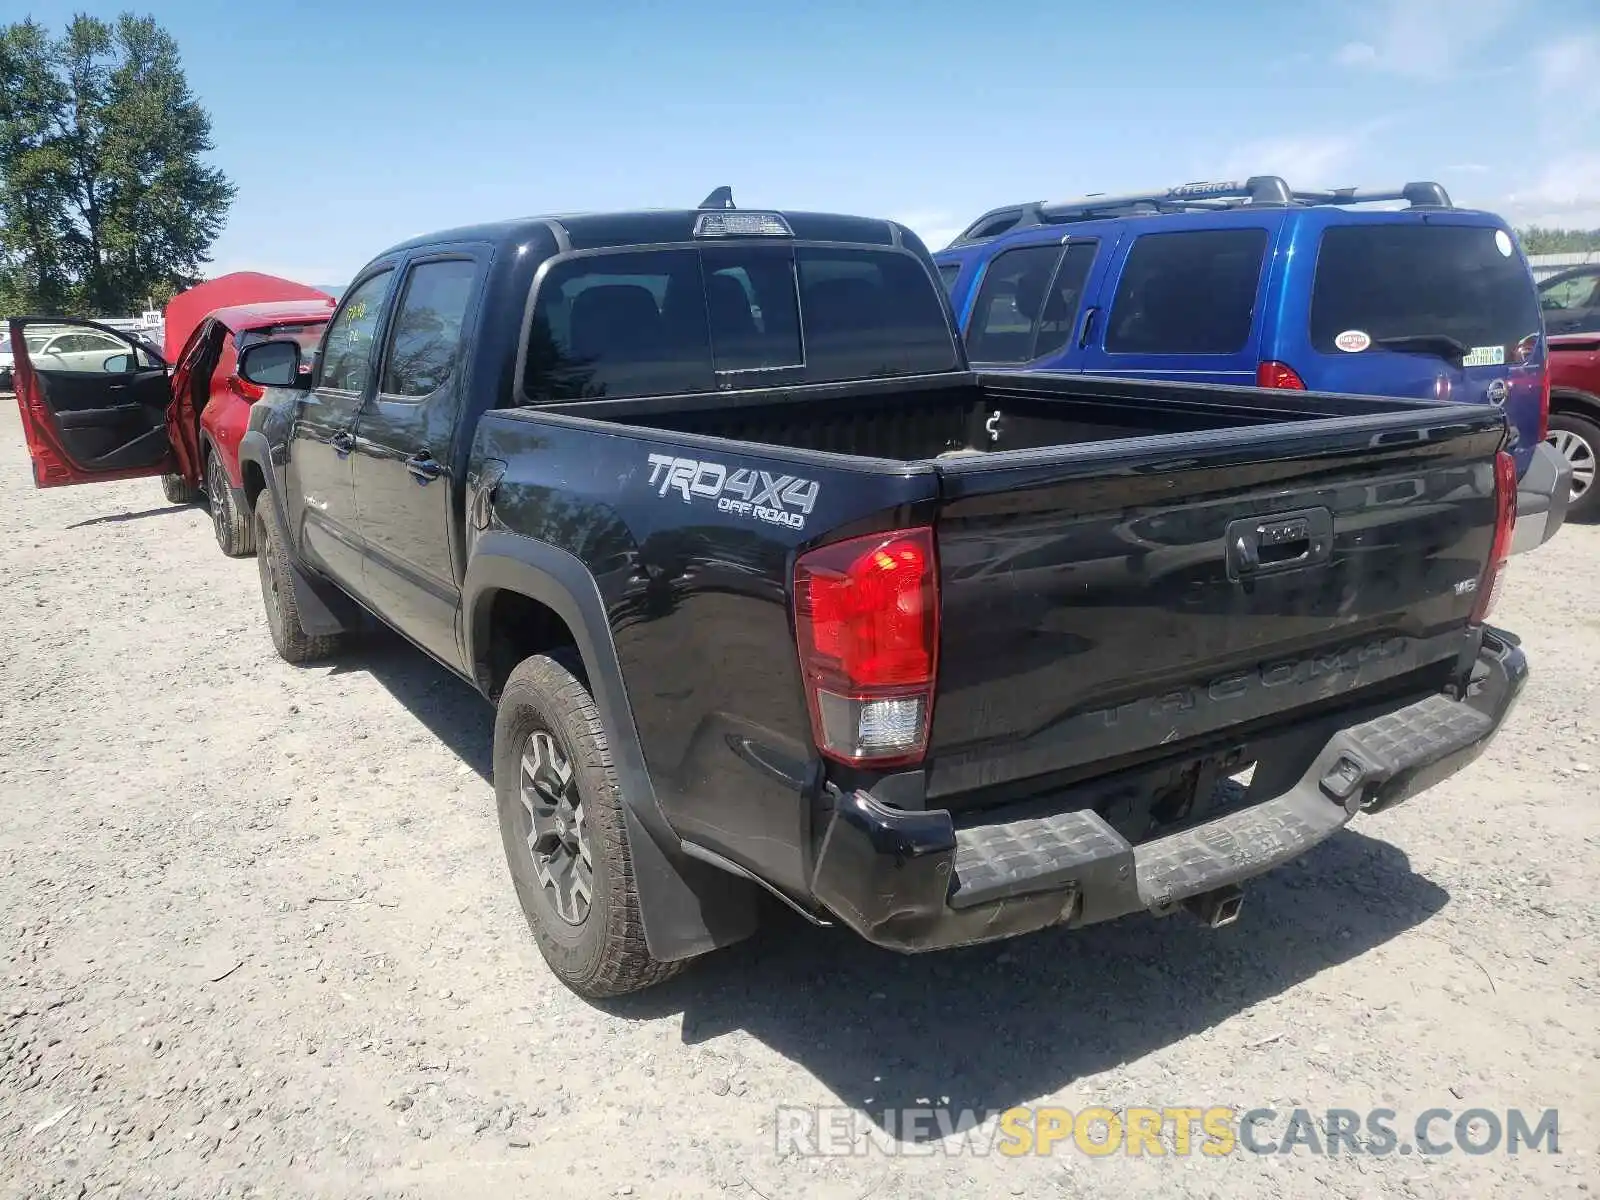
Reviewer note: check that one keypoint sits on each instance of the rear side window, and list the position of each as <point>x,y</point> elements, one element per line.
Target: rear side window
<point>1028,303</point>
<point>1419,280</point>
<point>427,327</point>
<point>948,274</point>
<point>1187,293</point>
<point>650,322</point>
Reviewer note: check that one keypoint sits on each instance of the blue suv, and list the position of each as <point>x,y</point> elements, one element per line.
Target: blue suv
<point>1252,282</point>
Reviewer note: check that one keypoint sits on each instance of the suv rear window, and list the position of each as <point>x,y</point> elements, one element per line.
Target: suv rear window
<point>651,322</point>
<point>1415,280</point>
<point>1187,293</point>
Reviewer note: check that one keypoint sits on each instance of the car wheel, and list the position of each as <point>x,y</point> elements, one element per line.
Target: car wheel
<point>293,643</point>
<point>1577,438</point>
<point>234,530</point>
<point>179,490</point>
<point>565,839</point>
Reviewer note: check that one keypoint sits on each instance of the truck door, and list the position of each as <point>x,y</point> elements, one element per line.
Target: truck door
<point>318,485</point>
<point>403,461</point>
<point>94,402</point>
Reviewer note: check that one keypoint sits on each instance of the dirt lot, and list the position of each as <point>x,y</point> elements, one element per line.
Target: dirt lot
<point>260,940</point>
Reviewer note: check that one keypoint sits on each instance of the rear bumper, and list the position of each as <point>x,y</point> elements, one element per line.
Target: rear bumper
<point>914,881</point>
<point>1542,497</point>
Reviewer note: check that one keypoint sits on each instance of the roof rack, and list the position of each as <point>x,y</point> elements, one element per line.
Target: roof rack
<point>722,197</point>
<point>1258,191</point>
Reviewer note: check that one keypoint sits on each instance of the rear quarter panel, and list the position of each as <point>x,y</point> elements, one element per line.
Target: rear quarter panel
<point>695,584</point>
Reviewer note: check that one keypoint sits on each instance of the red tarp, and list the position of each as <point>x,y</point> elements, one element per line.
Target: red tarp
<point>187,309</point>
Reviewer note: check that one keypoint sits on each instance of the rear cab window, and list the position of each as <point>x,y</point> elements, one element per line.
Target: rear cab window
<point>1397,282</point>
<point>1188,292</point>
<point>654,322</point>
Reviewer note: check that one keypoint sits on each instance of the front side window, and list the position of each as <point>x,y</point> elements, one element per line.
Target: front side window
<point>427,327</point>
<point>655,322</point>
<point>347,353</point>
<point>1191,292</point>
<point>84,352</point>
<point>1028,305</point>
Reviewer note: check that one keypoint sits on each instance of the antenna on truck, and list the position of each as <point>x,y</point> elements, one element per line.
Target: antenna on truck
<point>721,198</point>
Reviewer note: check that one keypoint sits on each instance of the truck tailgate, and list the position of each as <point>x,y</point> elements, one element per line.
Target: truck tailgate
<point>1107,603</point>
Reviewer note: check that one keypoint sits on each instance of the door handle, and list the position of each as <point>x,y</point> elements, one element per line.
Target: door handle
<point>1086,326</point>
<point>342,443</point>
<point>423,467</point>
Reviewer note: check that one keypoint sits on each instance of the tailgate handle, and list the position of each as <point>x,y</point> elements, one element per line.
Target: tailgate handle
<point>1284,542</point>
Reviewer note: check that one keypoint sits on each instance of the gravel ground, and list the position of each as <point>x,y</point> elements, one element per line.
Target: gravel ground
<point>260,940</point>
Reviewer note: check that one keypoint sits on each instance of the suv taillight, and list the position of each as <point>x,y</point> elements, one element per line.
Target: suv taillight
<point>1505,520</point>
<point>867,624</point>
<point>244,389</point>
<point>1271,374</point>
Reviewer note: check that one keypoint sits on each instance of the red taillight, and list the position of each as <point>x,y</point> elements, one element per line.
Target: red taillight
<point>1505,520</point>
<point>1271,374</point>
<point>244,389</point>
<point>867,623</point>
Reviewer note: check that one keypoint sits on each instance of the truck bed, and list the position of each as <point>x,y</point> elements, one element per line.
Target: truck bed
<point>1095,612</point>
<point>913,420</point>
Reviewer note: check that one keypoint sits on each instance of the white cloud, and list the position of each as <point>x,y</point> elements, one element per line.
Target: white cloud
<point>1421,39</point>
<point>1569,71</point>
<point>1304,160</point>
<point>1566,195</point>
<point>1357,54</point>
<point>1467,168</point>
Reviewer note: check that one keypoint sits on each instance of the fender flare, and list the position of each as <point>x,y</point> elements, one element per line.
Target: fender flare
<point>687,906</point>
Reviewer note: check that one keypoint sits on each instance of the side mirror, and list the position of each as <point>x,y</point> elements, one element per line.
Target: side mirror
<point>272,364</point>
<point>1549,303</point>
<point>117,364</point>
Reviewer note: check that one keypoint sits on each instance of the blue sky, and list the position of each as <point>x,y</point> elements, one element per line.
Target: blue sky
<point>349,132</point>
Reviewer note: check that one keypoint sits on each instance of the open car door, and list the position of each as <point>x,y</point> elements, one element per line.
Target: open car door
<point>93,401</point>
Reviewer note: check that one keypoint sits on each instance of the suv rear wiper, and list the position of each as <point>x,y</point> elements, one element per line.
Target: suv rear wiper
<point>1441,344</point>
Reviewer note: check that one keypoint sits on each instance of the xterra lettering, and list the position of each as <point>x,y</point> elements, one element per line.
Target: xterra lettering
<point>761,495</point>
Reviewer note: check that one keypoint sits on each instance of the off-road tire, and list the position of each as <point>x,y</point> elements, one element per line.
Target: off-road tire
<point>234,529</point>
<point>1587,506</point>
<point>293,643</point>
<point>606,954</point>
<point>178,490</point>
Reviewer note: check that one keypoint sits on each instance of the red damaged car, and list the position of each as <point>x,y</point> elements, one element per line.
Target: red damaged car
<point>98,404</point>
<point>1575,415</point>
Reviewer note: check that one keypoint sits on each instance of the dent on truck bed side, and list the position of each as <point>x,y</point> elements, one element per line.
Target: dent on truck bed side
<point>687,907</point>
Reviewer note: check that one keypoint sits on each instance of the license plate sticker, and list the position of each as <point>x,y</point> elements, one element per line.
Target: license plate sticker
<point>1485,356</point>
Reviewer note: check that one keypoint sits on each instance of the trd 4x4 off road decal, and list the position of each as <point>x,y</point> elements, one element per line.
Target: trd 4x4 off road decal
<point>775,499</point>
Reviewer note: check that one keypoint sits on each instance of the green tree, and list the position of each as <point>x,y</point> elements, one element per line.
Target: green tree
<point>104,197</point>
<point>1558,241</point>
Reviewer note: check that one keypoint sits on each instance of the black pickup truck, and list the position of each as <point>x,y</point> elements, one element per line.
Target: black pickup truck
<point>772,592</point>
